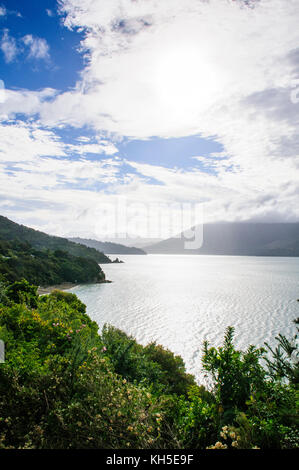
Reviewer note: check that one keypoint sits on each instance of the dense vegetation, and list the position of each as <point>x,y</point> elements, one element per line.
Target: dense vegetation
<point>41,241</point>
<point>64,385</point>
<point>19,260</point>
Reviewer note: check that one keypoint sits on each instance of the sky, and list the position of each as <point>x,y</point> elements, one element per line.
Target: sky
<point>115,114</point>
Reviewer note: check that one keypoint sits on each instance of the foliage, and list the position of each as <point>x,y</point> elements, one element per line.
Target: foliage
<point>255,406</point>
<point>151,364</point>
<point>273,415</point>
<point>285,359</point>
<point>19,260</point>
<point>22,292</point>
<point>235,373</point>
<point>3,291</point>
<point>59,387</point>
<point>195,419</point>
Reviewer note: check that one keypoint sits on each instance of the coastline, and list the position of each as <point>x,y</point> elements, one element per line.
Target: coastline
<point>43,290</point>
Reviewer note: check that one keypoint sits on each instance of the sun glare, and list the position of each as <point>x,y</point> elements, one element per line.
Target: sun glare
<point>184,79</point>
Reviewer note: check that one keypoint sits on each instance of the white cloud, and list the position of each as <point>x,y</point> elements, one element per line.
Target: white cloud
<point>178,68</point>
<point>8,46</point>
<point>27,142</point>
<point>54,193</point>
<point>21,142</point>
<point>38,47</point>
<point>39,176</point>
<point>142,81</point>
<point>24,101</point>
<point>5,12</point>
<point>49,172</point>
<point>103,147</point>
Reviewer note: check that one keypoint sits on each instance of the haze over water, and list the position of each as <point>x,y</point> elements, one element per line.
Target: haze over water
<point>181,300</point>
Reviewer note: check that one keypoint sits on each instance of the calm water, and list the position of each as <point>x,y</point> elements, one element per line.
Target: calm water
<point>181,300</point>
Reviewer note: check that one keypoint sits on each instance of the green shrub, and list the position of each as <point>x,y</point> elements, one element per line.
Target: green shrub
<point>150,365</point>
<point>284,364</point>
<point>256,405</point>
<point>22,292</point>
<point>234,373</point>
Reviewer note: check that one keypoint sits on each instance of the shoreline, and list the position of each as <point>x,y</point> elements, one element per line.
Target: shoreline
<point>43,290</point>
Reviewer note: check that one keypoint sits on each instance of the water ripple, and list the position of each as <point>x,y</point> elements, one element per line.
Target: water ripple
<point>180,301</point>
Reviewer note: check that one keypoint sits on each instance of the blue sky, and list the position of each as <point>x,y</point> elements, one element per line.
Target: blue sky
<point>63,68</point>
<point>161,104</point>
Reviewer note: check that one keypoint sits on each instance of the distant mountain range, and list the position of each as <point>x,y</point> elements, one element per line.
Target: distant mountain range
<point>10,230</point>
<point>238,238</point>
<point>225,238</point>
<point>108,247</point>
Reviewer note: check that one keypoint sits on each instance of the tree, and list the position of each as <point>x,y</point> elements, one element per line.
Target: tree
<point>234,372</point>
<point>23,292</point>
<point>285,362</point>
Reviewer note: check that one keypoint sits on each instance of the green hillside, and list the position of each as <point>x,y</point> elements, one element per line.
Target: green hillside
<point>19,260</point>
<point>41,241</point>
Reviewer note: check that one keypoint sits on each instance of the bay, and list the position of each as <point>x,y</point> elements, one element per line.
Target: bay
<point>181,300</point>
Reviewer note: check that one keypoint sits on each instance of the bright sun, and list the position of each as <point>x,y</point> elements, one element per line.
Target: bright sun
<point>183,78</point>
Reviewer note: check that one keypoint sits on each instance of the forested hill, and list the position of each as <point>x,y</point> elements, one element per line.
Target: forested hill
<point>18,260</point>
<point>10,230</point>
<point>108,247</point>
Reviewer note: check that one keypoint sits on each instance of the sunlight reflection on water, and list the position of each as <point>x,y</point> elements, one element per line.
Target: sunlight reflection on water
<point>181,300</point>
